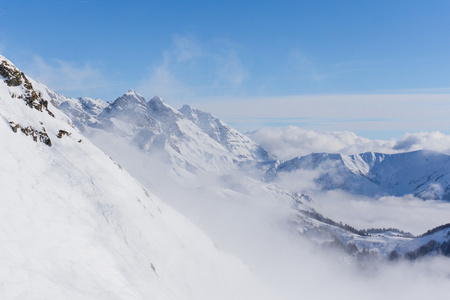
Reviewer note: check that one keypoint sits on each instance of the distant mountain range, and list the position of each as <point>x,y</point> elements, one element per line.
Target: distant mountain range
<point>192,138</point>
<point>425,174</point>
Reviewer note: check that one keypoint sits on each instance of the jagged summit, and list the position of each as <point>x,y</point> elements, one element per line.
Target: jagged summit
<point>157,107</point>
<point>128,100</point>
<point>195,114</point>
<point>157,99</point>
<point>188,135</point>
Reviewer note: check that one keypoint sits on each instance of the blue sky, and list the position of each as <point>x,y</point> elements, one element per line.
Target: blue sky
<point>212,53</point>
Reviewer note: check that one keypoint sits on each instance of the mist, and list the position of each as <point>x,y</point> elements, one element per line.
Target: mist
<point>407,213</point>
<point>250,220</point>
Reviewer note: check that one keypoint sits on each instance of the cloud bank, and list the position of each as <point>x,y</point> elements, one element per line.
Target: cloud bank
<point>291,141</point>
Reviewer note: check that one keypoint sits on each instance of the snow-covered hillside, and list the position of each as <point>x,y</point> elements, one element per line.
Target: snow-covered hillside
<point>75,225</point>
<point>425,174</point>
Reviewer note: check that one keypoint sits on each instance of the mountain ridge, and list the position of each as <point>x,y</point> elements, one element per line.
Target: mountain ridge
<point>155,126</point>
<point>423,173</point>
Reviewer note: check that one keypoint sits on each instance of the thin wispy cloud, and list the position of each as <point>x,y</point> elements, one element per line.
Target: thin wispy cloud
<point>191,68</point>
<point>304,67</point>
<point>186,48</point>
<point>230,68</point>
<point>67,77</point>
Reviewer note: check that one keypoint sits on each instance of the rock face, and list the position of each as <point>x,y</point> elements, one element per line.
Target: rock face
<point>21,87</point>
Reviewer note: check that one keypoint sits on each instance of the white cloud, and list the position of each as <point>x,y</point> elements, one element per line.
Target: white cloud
<point>229,66</point>
<point>163,82</point>
<point>435,140</point>
<point>407,213</point>
<point>289,142</point>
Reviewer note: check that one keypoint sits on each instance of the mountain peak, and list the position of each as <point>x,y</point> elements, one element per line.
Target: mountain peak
<point>187,107</point>
<point>130,98</point>
<point>133,92</point>
<point>157,99</point>
<point>157,105</point>
<point>194,114</point>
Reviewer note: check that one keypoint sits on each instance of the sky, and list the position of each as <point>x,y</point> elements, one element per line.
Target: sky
<point>377,68</point>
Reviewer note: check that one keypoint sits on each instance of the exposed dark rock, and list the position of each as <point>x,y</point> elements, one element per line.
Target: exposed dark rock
<point>61,133</point>
<point>13,77</point>
<point>37,135</point>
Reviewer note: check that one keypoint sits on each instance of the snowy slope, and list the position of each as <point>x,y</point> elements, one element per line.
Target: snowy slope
<point>82,110</point>
<point>75,225</point>
<point>238,144</point>
<point>425,174</point>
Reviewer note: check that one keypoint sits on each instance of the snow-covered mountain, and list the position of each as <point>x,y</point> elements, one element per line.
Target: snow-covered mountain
<point>425,174</point>
<point>240,145</point>
<point>195,140</point>
<point>75,225</point>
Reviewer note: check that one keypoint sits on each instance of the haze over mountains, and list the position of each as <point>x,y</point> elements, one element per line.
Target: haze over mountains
<point>120,235</point>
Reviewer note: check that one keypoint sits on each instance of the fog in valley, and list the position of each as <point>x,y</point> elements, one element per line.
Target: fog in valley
<point>252,220</point>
